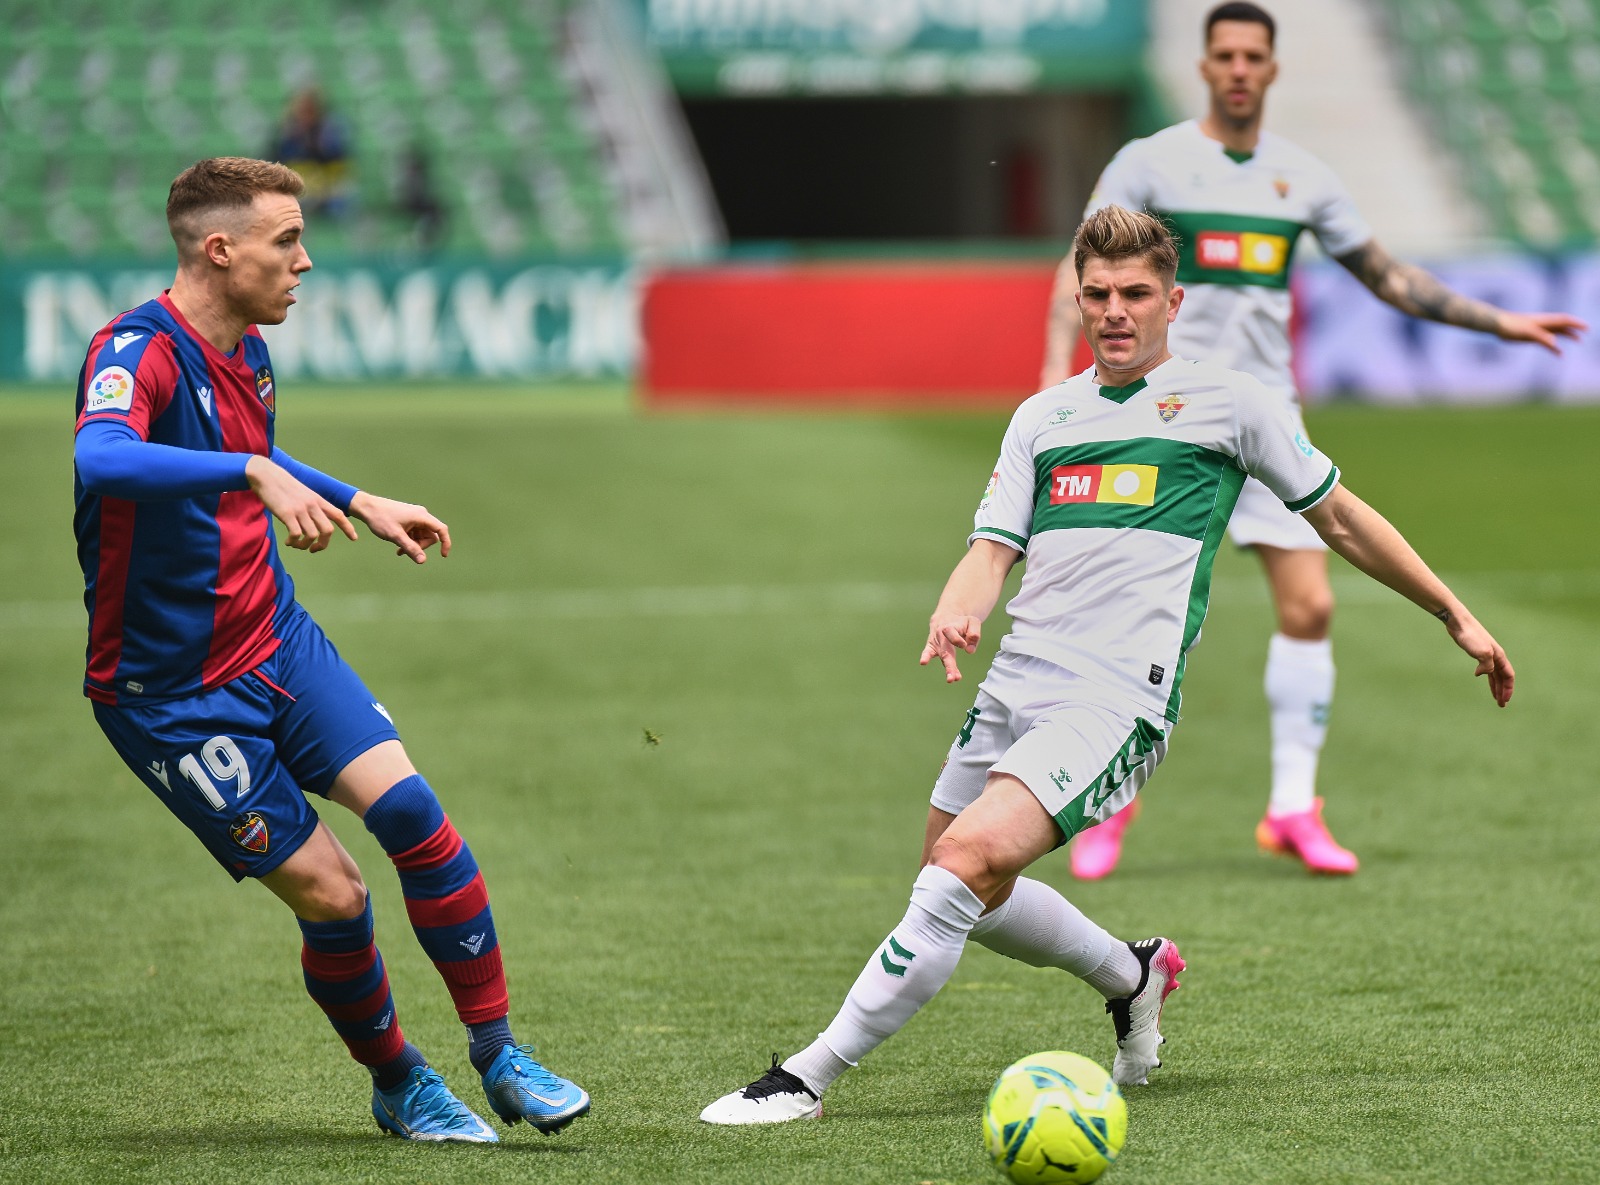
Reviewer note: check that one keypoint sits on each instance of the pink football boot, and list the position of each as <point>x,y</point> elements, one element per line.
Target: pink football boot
<point>1305,835</point>
<point>1095,852</point>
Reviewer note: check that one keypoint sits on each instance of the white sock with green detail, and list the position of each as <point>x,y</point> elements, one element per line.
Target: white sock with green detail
<point>914,962</point>
<point>1299,686</point>
<point>1038,926</point>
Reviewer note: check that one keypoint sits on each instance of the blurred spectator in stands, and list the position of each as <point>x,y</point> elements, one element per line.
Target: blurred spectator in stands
<point>313,143</point>
<point>417,200</point>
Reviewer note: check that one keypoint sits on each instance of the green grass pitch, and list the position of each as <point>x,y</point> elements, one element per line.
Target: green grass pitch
<point>753,590</point>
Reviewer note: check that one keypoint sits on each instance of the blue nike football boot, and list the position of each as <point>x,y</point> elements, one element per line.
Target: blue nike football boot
<point>520,1088</point>
<point>422,1108</point>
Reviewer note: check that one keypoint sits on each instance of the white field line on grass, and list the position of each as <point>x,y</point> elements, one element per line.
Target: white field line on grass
<point>751,600</point>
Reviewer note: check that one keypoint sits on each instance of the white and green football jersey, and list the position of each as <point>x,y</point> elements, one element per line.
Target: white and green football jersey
<point>1119,496</point>
<point>1238,222</point>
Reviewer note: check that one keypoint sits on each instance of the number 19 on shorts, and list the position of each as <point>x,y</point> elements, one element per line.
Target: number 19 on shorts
<point>219,761</point>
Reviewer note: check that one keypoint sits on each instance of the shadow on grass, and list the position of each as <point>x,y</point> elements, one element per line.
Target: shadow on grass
<point>280,1137</point>
<point>954,1106</point>
<point>1177,1087</point>
<point>1227,867</point>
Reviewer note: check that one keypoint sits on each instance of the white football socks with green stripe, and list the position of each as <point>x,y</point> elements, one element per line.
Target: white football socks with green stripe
<point>914,962</point>
<point>1038,926</point>
<point>1299,686</point>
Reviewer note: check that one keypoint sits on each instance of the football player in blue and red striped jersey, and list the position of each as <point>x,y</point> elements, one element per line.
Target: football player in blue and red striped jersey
<point>222,694</point>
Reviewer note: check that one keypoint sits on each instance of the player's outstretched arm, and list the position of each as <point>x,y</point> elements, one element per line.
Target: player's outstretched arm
<point>1412,290</point>
<point>969,597</point>
<point>410,528</point>
<point>1364,537</point>
<point>1063,325</point>
<point>310,518</point>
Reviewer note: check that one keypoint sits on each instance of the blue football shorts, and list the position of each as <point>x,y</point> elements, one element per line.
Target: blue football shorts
<point>235,763</point>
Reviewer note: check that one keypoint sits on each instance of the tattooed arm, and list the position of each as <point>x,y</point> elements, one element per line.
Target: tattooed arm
<point>1412,290</point>
<point>1063,324</point>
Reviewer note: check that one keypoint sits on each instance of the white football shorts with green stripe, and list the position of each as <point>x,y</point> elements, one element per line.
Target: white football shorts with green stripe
<point>1260,517</point>
<point>1082,755</point>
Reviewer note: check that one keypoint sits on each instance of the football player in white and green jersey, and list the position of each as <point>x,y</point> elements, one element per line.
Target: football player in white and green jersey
<point>1238,199</point>
<point>1117,486</point>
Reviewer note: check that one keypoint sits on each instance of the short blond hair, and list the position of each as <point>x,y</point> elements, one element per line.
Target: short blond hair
<point>1113,233</point>
<point>210,190</point>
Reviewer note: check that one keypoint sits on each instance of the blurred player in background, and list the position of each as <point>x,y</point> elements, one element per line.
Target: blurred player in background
<point>1238,198</point>
<point>220,692</point>
<point>313,142</point>
<point>1116,485</point>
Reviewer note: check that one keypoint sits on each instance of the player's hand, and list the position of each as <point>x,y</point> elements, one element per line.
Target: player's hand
<point>946,634</point>
<point>310,518</point>
<point>1492,661</point>
<point>410,528</point>
<point>1543,329</point>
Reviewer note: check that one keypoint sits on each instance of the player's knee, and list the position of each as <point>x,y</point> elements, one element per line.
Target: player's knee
<point>1308,614</point>
<point>334,897</point>
<point>968,862</point>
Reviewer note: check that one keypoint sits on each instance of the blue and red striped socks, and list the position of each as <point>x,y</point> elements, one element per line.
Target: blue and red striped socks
<point>344,974</point>
<point>448,906</point>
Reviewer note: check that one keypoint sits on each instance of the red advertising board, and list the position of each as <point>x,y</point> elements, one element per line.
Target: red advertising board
<point>845,333</point>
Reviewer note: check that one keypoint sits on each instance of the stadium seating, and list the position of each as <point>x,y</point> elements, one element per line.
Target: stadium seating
<point>101,104</point>
<point>1514,90</point>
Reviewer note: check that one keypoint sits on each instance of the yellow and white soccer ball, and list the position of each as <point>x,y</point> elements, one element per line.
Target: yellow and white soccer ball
<point>1054,1117</point>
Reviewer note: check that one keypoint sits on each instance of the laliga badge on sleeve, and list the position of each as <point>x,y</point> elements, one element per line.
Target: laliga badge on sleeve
<point>988,490</point>
<point>110,390</point>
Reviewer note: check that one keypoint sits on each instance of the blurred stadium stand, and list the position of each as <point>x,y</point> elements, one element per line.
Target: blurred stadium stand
<point>570,141</point>
<point>1513,89</point>
<point>101,104</point>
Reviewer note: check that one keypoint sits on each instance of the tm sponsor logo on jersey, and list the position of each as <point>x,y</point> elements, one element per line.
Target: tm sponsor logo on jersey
<point>1241,251</point>
<point>204,394</point>
<point>110,390</point>
<point>124,339</point>
<point>1132,485</point>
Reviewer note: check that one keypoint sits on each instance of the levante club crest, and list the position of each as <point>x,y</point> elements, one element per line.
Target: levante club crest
<point>250,832</point>
<point>264,389</point>
<point>1169,407</point>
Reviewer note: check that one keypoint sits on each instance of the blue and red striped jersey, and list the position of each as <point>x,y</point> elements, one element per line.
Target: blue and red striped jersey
<point>187,593</point>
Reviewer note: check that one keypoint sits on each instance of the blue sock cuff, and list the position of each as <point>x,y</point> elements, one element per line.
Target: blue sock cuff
<point>486,1040</point>
<point>404,815</point>
<point>341,937</point>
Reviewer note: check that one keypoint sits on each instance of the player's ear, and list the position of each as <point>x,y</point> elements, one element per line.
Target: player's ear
<point>217,247</point>
<point>1174,302</point>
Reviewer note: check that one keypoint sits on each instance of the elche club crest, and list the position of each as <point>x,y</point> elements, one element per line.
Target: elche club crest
<point>1169,406</point>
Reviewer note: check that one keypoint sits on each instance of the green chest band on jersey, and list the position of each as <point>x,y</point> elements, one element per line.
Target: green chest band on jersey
<point>1237,249</point>
<point>1146,484</point>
